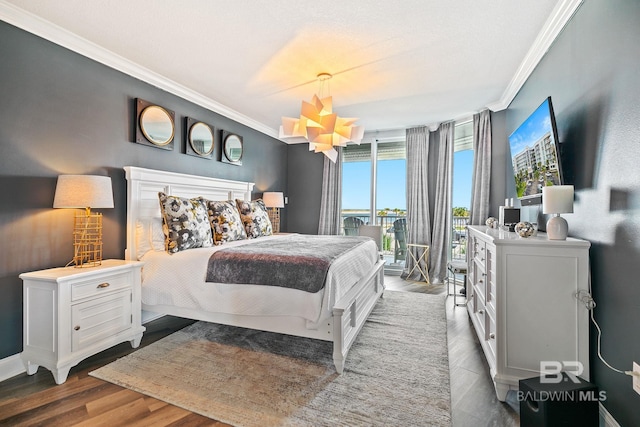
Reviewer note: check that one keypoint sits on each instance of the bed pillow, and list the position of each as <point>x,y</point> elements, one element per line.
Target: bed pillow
<point>226,224</point>
<point>149,236</point>
<point>255,218</point>
<point>186,223</point>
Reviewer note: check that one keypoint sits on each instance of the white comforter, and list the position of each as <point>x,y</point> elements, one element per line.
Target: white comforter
<point>179,280</point>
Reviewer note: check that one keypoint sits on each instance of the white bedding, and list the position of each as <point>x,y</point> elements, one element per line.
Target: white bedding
<point>179,280</point>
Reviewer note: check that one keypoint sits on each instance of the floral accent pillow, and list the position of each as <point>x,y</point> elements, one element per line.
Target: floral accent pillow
<point>225,222</point>
<point>255,218</point>
<point>186,223</point>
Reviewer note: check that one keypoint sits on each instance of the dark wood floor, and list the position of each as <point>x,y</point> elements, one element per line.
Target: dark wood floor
<point>87,401</point>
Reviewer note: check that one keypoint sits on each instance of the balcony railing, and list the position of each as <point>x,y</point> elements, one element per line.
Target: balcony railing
<point>458,234</point>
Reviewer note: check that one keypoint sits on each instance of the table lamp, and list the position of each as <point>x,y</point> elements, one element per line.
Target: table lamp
<point>274,200</point>
<point>557,199</point>
<point>86,192</point>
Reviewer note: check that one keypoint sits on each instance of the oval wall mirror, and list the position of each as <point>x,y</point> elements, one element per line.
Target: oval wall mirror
<point>157,125</point>
<point>201,138</point>
<point>232,148</point>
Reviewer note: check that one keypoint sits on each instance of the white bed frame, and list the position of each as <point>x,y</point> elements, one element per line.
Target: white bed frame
<point>349,313</point>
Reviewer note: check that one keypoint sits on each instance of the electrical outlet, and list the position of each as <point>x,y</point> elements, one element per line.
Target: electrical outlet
<point>636,377</point>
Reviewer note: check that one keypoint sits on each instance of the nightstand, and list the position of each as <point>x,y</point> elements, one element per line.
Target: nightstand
<point>73,313</point>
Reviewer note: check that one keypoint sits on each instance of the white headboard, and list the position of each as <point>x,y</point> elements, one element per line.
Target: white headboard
<point>143,186</point>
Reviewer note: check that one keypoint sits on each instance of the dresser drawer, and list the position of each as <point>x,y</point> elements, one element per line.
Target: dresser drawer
<point>478,280</point>
<point>99,286</point>
<point>491,332</point>
<point>100,318</point>
<point>478,251</point>
<point>479,312</point>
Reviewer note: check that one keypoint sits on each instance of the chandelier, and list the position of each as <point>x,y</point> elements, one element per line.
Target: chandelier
<point>320,126</point>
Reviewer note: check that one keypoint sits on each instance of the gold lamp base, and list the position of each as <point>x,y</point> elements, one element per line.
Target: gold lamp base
<point>87,239</point>
<point>274,217</point>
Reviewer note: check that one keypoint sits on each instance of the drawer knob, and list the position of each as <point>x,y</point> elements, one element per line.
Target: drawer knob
<point>103,285</point>
<point>480,311</point>
<point>492,336</point>
<point>76,328</point>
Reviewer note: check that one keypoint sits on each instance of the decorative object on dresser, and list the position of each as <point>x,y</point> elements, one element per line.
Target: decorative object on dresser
<point>155,125</point>
<point>524,229</point>
<point>85,192</point>
<point>232,148</point>
<point>71,314</point>
<point>508,215</point>
<point>274,200</point>
<point>522,302</point>
<point>199,138</point>
<point>557,199</point>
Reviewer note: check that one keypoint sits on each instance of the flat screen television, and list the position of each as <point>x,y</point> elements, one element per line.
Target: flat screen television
<point>535,154</point>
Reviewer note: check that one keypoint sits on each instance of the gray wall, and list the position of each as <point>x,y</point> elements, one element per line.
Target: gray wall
<point>62,113</point>
<point>305,189</point>
<point>591,73</point>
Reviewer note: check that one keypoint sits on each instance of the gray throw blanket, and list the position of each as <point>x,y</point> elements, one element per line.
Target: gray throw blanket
<point>296,261</point>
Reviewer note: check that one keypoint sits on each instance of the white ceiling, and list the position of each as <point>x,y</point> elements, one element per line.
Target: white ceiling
<point>396,63</point>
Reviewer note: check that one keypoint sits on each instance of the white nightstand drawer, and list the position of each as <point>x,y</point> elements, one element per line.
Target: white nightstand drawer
<point>94,320</point>
<point>98,286</point>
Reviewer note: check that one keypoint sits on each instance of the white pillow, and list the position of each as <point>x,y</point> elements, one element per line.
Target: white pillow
<point>149,236</point>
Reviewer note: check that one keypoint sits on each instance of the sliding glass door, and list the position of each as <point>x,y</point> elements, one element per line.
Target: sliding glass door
<point>374,193</point>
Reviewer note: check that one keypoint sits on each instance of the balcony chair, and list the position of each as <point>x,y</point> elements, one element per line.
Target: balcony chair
<point>351,225</point>
<point>400,234</point>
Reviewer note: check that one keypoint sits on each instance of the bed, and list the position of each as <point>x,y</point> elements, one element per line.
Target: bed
<point>336,313</point>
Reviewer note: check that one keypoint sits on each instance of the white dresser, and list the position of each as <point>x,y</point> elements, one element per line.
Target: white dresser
<point>72,313</point>
<point>522,303</point>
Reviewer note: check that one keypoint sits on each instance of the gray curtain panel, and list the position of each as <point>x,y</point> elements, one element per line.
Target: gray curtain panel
<point>418,218</point>
<point>331,202</point>
<point>442,211</point>
<point>481,167</point>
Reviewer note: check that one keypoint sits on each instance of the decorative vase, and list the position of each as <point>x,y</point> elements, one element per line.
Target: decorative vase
<point>524,229</point>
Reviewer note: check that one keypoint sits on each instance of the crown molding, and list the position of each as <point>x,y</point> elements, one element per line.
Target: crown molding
<point>556,22</point>
<point>33,24</point>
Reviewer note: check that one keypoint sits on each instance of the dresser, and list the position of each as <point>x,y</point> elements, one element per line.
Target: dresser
<point>72,313</point>
<point>522,301</point>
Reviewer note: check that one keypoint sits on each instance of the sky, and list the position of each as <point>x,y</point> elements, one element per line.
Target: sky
<point>392,183</point>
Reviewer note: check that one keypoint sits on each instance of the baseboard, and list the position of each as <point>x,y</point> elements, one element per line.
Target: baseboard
<point>606,419</point>
<point>10,367</point>
<point>148,316</point>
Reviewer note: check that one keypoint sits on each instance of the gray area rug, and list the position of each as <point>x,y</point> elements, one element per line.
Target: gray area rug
<point>396,374</point>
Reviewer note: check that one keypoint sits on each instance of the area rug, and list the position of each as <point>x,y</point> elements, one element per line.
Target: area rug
<point>396,374</point>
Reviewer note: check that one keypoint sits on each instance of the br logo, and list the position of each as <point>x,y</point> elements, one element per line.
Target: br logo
<point>551,371</point>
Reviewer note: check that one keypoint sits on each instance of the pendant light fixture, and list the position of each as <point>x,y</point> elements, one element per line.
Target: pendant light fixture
<point>320,126</point>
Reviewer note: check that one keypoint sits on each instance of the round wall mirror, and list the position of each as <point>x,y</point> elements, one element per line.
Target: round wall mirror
<point>233,148</point>
<point>201,138</point>
<point>157,125</point>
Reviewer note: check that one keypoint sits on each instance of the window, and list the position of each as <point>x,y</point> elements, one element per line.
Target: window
<point>380,187</point>
<point>462,180</point>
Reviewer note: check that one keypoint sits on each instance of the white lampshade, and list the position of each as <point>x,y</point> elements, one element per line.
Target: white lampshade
<point>273,199</point>
<point>557,199</point>
<point>83,191</point>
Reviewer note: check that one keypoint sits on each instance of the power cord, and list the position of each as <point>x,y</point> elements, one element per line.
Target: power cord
<point>590,304</point>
